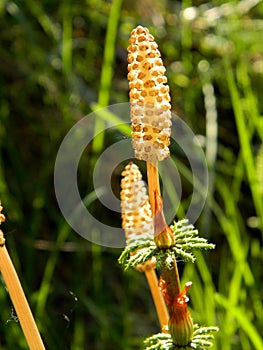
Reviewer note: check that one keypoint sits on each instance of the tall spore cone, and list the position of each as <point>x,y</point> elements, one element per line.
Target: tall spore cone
<point>149,98</point>
<point>135,207</point>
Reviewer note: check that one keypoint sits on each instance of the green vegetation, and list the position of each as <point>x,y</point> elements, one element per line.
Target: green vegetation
<point>59,61</point>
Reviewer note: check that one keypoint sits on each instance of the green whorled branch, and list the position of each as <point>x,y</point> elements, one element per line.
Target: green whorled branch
<point>186,241</point>
<point>202,339</point>
<point>144,247</point>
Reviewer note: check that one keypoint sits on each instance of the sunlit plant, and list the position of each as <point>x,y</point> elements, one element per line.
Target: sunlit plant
<point>150,241</point>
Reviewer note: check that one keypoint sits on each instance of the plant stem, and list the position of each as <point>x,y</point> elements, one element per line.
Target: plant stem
<point>153,183</point>
<point>153,186</point>
<point>170,275</point>
<point>157,297</point>
<point>67,41</point>
<point>107,72</point>
<point>19,300</point>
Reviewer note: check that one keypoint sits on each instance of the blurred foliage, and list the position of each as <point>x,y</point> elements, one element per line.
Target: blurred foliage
<point>53,55</point>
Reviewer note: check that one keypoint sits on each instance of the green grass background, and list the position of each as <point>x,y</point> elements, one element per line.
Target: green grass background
<point>59,61</point>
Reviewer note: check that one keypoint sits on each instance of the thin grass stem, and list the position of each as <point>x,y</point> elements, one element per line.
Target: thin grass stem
<point>67,41</point>
<point>244,138</point>
<point>107,70</point>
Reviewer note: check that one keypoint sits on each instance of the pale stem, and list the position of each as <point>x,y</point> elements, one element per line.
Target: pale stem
<point>157,297</point>
<point>19,301</point>
<point>153,183</point>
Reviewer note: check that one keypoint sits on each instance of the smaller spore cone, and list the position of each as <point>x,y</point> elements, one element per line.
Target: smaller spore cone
<point>149,98</point>
<point>135,208</point>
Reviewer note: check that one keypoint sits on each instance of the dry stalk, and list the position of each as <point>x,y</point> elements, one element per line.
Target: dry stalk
<point>17,295</point>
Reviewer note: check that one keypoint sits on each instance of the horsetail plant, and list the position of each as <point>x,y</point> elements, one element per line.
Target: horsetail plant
<point>151,129</point>
<point>17,295</point>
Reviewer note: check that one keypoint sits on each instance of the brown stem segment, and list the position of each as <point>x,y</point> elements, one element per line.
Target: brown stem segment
<point>20,303</point>
<point>172,284</point>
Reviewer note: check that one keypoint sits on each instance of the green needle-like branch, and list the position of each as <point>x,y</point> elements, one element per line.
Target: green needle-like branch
<point>186,241</point>
<point>144,247</point>
<point>202,339</point>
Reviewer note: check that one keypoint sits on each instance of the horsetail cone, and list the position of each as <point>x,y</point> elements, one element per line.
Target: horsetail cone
<point>149,98</point>
<point>135,208</point>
